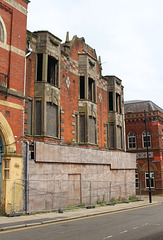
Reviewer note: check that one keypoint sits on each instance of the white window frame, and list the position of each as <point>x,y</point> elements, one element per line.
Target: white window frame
<point>147,179</point>
<point>136,180</point>
<point>144,136</point>
<point>132,137</point>
<point>4,31</point>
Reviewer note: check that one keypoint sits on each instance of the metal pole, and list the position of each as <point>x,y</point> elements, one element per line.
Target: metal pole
<point>150,199</point>
<point>90,193</point>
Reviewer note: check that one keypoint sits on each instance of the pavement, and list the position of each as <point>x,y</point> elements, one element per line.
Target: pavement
<point>8,223</point>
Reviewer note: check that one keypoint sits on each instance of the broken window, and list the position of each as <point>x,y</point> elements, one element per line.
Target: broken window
<point>51,119</point>
<point>52,77</point>
<point>82,128</point>
<point>1,32</point>
<point>118,103</point>
<point>110,101</point>
<point>91,90</point>
<point>38,117</point>
<point>29,118</point>
<point>92,130</point>
<point>82,87</point>
<point>111,135</point>
<point>39,66</point>
<point>119,137</point>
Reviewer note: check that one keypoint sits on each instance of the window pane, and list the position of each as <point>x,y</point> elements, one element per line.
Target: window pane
<point>82,128</point>
<point>51,119</point>
<point>38,117</point>
<point>92,130</point>
<point>111,135</point>
<point>29,118</point>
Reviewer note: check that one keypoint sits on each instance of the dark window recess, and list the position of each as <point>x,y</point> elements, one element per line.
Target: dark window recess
<point>38,117</point>
<point>76,128</point>
<point>111,135</point>
<point>118,103</point>
<point>51,119</point>
<point>29,118</point>
<point>82,128</point>
<point>82,87</point>
<point>52,71</point>
<point>32,155</point>
<point>119,137</point>
<point>92,130</point>
<point>110,101</point>
<point>39,66</point>
<point>91,90</point>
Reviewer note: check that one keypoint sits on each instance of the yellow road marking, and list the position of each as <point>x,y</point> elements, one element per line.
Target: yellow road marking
<point>75,219</point>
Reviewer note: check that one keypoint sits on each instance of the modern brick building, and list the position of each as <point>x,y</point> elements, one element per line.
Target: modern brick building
<point>12,72</point>
<point>136,142</point>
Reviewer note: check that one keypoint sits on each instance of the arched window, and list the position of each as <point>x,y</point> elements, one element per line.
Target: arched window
<point>146,139</point>
<point>3,33</point>
<point>131,140</point>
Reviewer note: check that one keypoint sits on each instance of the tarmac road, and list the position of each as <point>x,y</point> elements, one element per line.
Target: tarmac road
<point>133,224</point>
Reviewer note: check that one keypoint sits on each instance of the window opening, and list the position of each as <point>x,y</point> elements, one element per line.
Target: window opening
<point>52,77</point>
<point>119,137</point>
<point>76,128</point>
<point>38,117</point>
<point>111,134</point>
<point>39,66</point>
<point>136,180</point>
<point>118,103</point>
<point>1,32</point>
<point>91,90</point>
<point>82,128</point>
<point>92,130</point>
<point>110,101</point>
<point>146,140</point>
<point>51,119</point>
<point>29,118</point>
<point>151,179</point>
<point>82,87</point>
<point>131,140</point>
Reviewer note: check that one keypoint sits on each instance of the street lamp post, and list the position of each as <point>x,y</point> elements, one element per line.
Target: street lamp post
<point>149,177</point>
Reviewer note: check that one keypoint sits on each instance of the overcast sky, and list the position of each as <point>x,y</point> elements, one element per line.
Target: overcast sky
<point>127,34</point>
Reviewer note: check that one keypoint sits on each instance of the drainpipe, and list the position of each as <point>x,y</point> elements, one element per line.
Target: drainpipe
<point>27,143</point>
<point>27,55</point>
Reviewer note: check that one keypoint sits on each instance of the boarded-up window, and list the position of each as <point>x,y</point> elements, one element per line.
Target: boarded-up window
<point>110,101</point>
<point>82,87</point>
<point>92,130</point>
<point>52,77</point>
<point>111,135</point>
<point>119,137</point>
<point>29,118</point>
<point>76,128</point>
<point>91,90</point>
<point>118,103</point>
<point>82,128</point>
<point>107,137</point>
<point>38,118</point>
<point>51,119</point>
<point>39,66</point>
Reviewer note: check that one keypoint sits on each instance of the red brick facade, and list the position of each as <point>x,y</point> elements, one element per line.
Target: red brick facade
<point>135,123</point>
<point>76,60</point>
